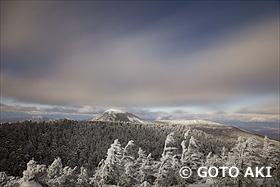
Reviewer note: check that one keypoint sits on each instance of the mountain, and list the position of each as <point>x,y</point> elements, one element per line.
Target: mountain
<point>118,115</point>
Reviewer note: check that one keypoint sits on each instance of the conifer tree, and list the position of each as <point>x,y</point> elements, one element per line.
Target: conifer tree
<point>242,155</point>
<point>168,171</point>
<point>148,167</point>
<point>83,178</point>
<point>111,168</point>
<point>131,169</point>
<point>191,156</point>
<point>34,172</point>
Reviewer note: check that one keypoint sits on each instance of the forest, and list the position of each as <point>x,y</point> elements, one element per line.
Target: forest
<point>98,153</point>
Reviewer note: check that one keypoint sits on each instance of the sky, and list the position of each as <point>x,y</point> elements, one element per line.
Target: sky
<point>158,59</point>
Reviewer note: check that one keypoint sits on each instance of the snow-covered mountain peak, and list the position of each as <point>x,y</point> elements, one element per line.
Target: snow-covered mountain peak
<point>118,115</point>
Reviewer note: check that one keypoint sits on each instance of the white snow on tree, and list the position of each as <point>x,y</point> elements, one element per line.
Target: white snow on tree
<point>59,176</point>
<point>55,170</point>
<point>191,156</point>
<point>145,184</point>
<point>184,143</point>
<point>223,155</point>
<point>83,178</point>
<point>127,151</point>
<point>187,133</point>
<point>147,167</point>
<point>268,153</point>
<point>8,181</point>
<point>170,148</point>
<point>268,157</point>
<point>111,168</point>
<point>168,171</point>
<point>3,178</point>
<point>211,160</point>
<point>141,154</point>
<point>122,166</point>
<point>34,171</point>
<point>242,155</point>
<point>131,168</point>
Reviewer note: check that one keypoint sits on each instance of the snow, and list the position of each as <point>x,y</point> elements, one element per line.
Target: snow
<point>118,115</point>
<point>130,119</point>
<point>114,111</point>
<point>133,119</point>
<point>138,120</point>
<point>30,184</point>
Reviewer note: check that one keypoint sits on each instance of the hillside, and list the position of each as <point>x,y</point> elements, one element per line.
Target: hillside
<point>84,143</point>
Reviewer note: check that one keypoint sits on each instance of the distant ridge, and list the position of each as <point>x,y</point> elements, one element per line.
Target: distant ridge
<point>190,122</point>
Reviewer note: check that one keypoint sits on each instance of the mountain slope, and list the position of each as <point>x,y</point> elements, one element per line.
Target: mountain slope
<point>118,115</point>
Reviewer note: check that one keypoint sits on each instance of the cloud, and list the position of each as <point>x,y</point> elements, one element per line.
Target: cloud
<point>10,111</point>
<point>89,110</point>
<point>48,63</point>
<point>18,108</point>
<point>266,108</point>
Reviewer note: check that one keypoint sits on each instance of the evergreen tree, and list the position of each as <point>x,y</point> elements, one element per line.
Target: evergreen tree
<point>131,168</point>
<point>184,143</point>
<point>83,178</point>
<point>191,156</point>
<point>55,170</point>
<point>111,168</point>
<point>242,155</point>
<point>168,171</point>
<point>267,153</point>
<point>59,176</point>
<point>148,167</point>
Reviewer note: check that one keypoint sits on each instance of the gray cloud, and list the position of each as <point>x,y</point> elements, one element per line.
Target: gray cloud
<point>270,108</point>
<point>89,110</point>
<point>113,68</point>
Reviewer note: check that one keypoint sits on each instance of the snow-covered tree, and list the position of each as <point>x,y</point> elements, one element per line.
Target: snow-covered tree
<point>211,160</point>
<point>184,143</point>
<point>191,156</point>
<point>34,171</point>
<point>267,153</point>
<point>242,155</point>
<point>127,151</point>
<point>223,156</point>
<point>168,171</point>
<point>148,167</point>
<point>131,168</point>
<point>83,178</point>
<point>3,178</point>
<point>59,176</point>
<point>111,168</point>
<point>170,148</point>
<point>55,170</point>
